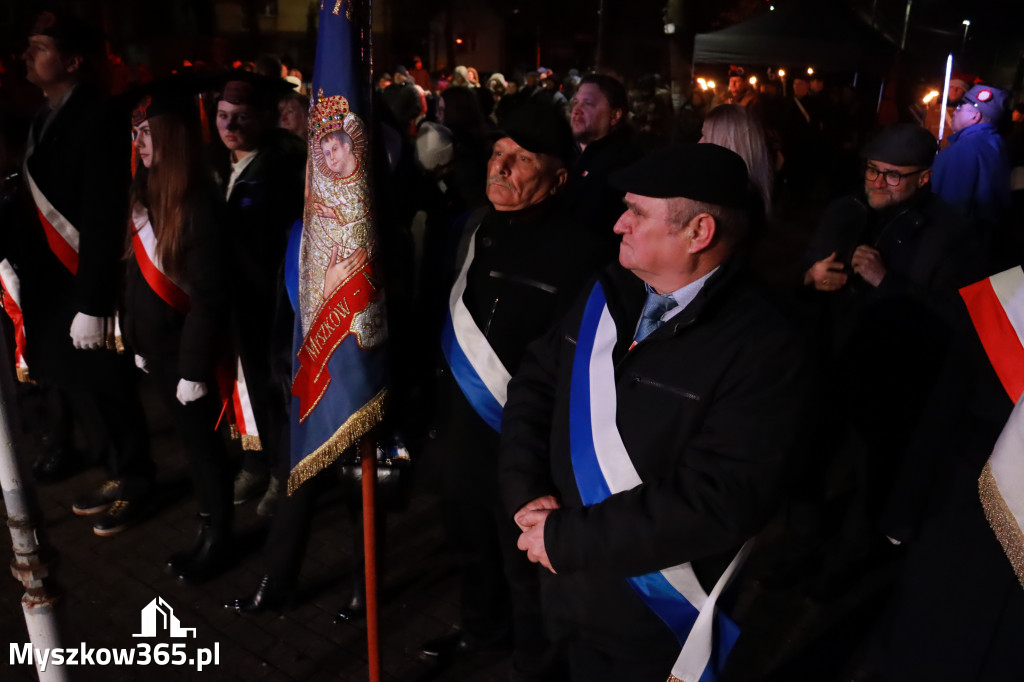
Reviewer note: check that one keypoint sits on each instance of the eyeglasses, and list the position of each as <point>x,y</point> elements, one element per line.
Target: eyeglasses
<point>892,178</point>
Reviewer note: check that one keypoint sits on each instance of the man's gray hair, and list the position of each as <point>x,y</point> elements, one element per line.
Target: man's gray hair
<point>731,224</point>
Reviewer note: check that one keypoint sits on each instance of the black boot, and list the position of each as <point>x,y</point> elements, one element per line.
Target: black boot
<point>210,558</point>
<point>355,606</point>
<point>270,594</point>
<point>176,562</point>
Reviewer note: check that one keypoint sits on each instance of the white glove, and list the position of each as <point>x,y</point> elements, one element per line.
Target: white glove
<point>189,391</point>
<point>140,362</point>
<point>89,332</point>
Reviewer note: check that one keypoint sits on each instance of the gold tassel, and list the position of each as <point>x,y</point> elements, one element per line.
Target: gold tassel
<point>1002,521</point>
<point>356,426</point>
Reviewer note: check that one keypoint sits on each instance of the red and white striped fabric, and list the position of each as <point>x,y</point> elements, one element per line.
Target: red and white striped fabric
<point>144,247</point>
<point>245,420</point>
<point>61,235</point>
<point>12,305</point>
<point>996,306</point>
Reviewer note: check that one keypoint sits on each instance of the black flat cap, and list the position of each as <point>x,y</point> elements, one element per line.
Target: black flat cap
<point>540,129</point>
<point>902,144</point>
<point>702,172</point>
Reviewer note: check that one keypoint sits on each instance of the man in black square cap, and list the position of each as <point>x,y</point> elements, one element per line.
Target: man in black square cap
<point>521,264</point>
<point>645,437</point>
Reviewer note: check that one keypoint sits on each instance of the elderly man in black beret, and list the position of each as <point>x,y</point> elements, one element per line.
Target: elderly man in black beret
<point>645,438</point>
<point>520,266</point>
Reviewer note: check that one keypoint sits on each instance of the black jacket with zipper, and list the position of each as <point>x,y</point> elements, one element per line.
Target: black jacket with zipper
<point>710,407</point>
<point>527,269</point>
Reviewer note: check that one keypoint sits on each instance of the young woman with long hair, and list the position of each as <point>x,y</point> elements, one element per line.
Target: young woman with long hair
<point>174,305</point>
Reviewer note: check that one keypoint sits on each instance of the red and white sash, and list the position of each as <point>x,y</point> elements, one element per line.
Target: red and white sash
<point>996,306</point>
<point>12,304</point>
<point>144,246</point>
<point>245,420</point>
<point>61,235</point>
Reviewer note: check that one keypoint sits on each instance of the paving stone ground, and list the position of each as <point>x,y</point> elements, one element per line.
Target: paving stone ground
<point>105,583</point>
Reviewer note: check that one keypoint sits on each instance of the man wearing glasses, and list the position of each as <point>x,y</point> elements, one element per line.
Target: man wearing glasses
<point>877,267</point>
<point>896,234</point>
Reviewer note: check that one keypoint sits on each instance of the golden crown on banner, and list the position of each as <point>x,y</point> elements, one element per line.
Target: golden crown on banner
<point>328,116</point>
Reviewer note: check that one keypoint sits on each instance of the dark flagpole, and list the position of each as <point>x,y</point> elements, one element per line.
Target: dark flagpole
<point>368,453</point>
<point>367,446</point>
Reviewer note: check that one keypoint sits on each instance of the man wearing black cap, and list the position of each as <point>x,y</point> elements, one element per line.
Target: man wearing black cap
<point>521,265</point>
<point>77,169</point>
<point>645,437</point>
<point>896,226</point>
<point>261,169</point>
<point>881,263</point>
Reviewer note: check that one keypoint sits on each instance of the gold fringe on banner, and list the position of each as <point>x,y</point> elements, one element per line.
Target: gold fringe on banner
<point>23,376</point>
<point>251,443</point>
<point>356,426</point>
<point>1002,521</point>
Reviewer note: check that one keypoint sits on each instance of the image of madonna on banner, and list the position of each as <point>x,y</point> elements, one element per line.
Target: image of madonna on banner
<point>340,364</point>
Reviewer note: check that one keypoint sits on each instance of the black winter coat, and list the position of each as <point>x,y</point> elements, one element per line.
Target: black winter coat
<point>194,340</point>
<point>266,199</point>
<point>590,199</point>
<point>958,611</point>
<point>527,270</point>
<point>709,407</point>
<point>82,165</point>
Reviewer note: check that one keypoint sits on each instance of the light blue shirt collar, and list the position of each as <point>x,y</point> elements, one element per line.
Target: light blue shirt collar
<point>683,295</point>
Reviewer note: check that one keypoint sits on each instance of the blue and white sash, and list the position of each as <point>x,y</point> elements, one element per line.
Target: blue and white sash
<point>602,467</point>
<point>474,364</point>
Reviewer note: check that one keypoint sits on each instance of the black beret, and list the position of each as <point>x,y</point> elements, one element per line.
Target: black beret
<point>702,172</point>
<point>902,144</point>
<point>541,129</point>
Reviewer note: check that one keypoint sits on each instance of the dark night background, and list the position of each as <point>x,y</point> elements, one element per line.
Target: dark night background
<point>505,35</point>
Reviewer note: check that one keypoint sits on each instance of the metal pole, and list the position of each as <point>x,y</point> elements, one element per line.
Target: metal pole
<point>598,56</point>
<point>906,25</point>
<point>368,453</point>
<point>37,604</point>
<point>881,91</point>
<point>945,96</point>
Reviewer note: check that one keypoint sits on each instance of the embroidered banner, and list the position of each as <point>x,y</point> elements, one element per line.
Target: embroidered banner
<point>337,245</point>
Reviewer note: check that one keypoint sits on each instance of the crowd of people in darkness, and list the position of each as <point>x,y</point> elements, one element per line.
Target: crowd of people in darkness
<point>664,365</point>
